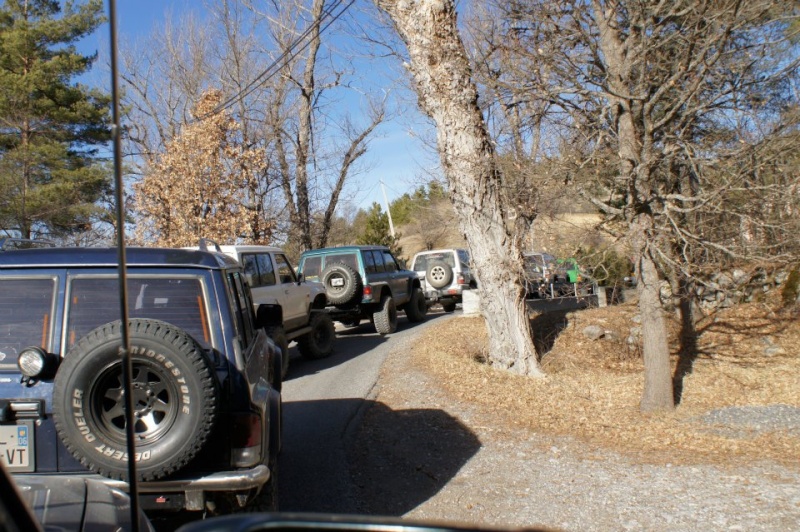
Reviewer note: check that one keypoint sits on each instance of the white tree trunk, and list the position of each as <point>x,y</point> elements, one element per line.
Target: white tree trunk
<point>441,72</point>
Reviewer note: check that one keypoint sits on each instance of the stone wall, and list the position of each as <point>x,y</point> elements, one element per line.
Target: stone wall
<point>726,289</point>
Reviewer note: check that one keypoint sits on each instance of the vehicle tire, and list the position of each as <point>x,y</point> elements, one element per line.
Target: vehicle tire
<point>417,307</point>
<point>439,274</point>
<point>175,399</point>
<point>318,342</point>
<point>342,283</point>
<point>278,335</point>
<point>385,319</point>
<point>449,307</point>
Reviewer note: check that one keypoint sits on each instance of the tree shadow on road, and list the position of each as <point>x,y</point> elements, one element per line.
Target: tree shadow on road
<point>400,459</point>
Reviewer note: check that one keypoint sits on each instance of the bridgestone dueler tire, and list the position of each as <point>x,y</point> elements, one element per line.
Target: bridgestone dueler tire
<point>317,343</point>
<point>417,307</point>
<point>175,399</point>
<point>385,319</point>
<point>439,274</point>
<point>278,335</point>
<point>342,284</point>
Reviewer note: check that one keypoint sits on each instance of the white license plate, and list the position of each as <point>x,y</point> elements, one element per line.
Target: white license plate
<point>337,282</point>
<point>16,447</point>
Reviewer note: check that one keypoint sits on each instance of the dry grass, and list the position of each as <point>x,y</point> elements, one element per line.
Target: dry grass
<point>592,388</point>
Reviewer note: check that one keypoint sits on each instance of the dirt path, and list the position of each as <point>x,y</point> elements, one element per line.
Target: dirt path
<point>423,455</point>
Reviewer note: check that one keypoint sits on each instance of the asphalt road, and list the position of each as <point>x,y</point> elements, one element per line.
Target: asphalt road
<point>323,401</point>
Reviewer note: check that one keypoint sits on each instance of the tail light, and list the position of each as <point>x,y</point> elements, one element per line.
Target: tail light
<point>246,431</point>
<point>461,280</point>
<point>367,295</point>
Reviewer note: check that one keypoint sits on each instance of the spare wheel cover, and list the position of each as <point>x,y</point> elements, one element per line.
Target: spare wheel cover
<point>175,399</point>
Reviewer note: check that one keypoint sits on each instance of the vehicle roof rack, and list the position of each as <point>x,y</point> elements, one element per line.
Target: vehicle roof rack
<point>205,242</point>
<point>24,243</point>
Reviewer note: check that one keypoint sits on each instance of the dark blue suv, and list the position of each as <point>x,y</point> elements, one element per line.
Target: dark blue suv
<point>206,379</point>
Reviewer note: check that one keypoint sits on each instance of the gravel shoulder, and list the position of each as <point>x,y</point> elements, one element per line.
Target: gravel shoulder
<point>423,453</point>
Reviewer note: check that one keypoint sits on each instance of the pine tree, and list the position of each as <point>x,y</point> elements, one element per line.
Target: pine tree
<point>50,126</point>
<point>376,231</point>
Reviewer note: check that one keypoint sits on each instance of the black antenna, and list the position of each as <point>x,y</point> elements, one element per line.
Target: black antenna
<point>125,349</point>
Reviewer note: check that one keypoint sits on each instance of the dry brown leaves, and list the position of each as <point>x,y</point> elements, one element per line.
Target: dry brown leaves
<point>203,185</point>
<point>592,388</point>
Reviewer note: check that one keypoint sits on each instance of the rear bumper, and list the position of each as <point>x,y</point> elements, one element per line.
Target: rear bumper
<point>453,294</point>
<point>193,489</point>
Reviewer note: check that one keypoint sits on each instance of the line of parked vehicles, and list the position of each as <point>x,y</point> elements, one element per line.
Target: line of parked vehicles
<point>209,329</point>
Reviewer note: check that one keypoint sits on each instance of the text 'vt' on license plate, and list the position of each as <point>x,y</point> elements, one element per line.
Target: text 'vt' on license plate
<point>16,447</point>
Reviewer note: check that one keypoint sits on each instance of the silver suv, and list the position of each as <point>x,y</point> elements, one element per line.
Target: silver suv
<point>289,308</point>
<point>446,274</point>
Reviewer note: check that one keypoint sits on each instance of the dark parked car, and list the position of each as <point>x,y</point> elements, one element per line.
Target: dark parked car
<point>206,380</point>
<point>365,282</point>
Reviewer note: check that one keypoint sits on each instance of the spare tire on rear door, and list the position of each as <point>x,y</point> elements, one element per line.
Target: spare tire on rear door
<point>342,283</point>
<point>439,274</point>
<point>175,399</point>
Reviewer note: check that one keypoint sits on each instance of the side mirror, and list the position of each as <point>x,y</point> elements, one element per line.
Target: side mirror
<point>300,278</point>
<point>262,315</point>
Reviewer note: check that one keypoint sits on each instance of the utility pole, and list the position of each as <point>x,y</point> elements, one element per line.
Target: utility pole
<point>389,212</point>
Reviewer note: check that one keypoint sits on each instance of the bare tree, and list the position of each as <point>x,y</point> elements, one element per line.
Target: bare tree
<point>312,175</point>
<point>266,58</point>
<point>669,118</point>
<point>441,73</point>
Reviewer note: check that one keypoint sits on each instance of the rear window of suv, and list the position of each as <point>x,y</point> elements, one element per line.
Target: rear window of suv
<point>422,261</point>
<point>94,301</point>
<point>26,316</point>
<point>313,265</point>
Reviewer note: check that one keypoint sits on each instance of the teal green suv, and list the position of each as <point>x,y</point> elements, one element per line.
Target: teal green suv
<point>365,282</point>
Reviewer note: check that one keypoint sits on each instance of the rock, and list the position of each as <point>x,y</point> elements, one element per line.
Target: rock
<point>699,290</point>
<point>725,281</point>
<point>774,350</point>
<point>739,276</point>
<point>593,332</point>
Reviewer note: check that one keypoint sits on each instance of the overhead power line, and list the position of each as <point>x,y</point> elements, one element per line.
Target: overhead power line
<point>290,53</point>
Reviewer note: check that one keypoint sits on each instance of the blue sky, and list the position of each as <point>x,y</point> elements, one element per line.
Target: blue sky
<point>396,157</point>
